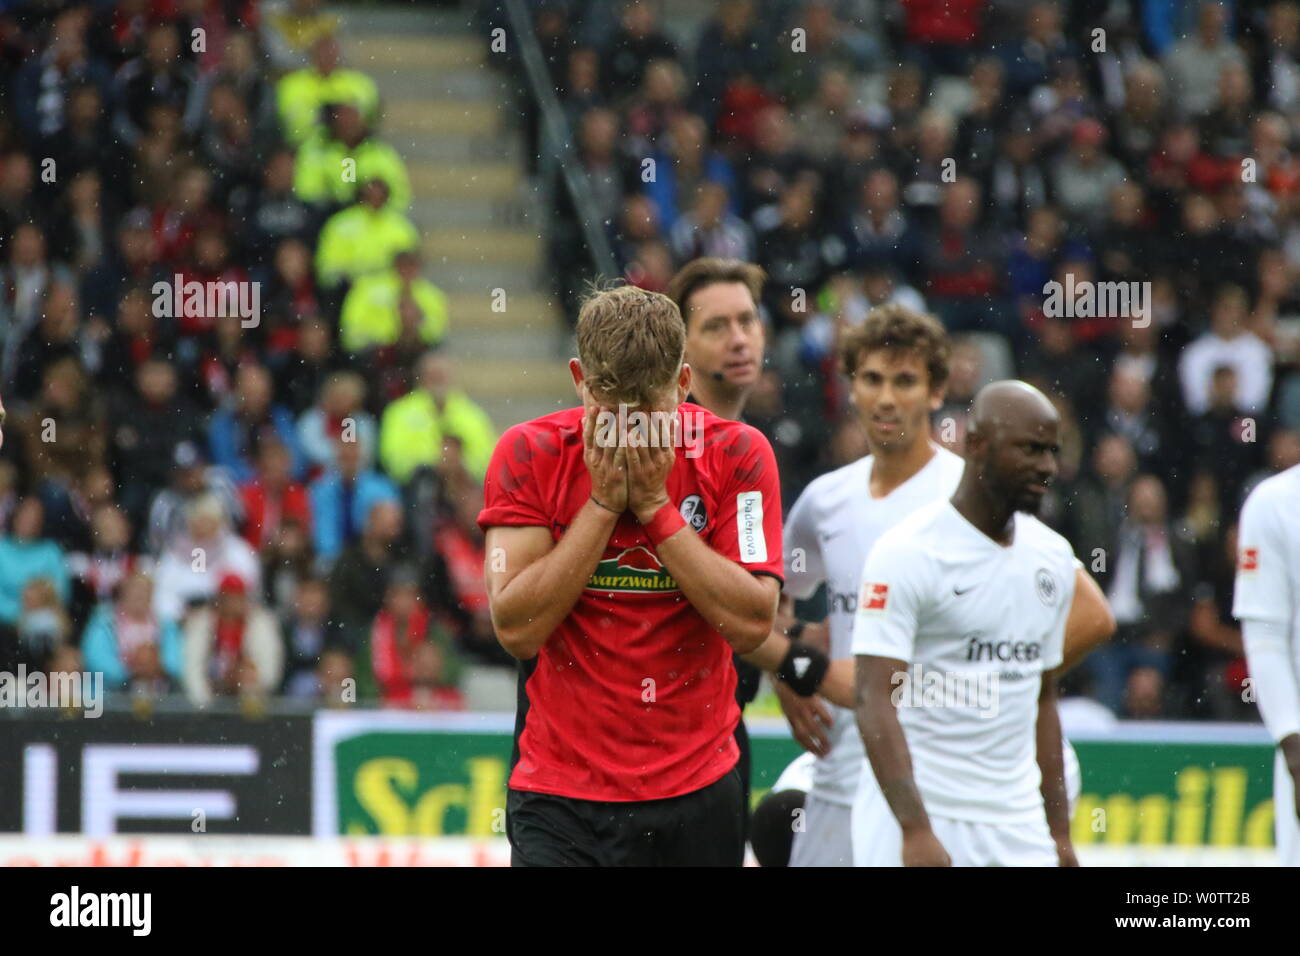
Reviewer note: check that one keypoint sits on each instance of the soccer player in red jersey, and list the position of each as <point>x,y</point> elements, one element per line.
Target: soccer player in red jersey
<point>627,559</point>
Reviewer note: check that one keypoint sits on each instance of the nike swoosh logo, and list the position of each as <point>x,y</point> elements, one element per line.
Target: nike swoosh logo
<point>833,534</point>
<point>960,591</point>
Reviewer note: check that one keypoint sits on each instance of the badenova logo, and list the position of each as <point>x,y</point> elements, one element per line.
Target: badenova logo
<point>749,527</point>
<point>632,569</point>
<point>134,910</point>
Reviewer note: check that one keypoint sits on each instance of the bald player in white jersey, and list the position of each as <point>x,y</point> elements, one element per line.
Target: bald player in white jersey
<point>1267,602</point>
<point>960,628</point>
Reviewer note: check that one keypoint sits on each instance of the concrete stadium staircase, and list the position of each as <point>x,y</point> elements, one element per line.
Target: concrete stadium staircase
<point>448,113</point>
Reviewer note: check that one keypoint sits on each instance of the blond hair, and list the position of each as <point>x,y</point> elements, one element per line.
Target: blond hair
<point>630,343</point>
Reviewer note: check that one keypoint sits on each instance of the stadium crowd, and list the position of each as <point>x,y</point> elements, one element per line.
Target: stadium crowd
<point>959,156</point>
<point>236,497</point>
<point>240,506</point>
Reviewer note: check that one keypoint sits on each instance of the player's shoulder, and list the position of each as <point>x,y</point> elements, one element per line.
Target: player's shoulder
<point>1043,538</point>
<point>1275,493</point>
<point>950,464</point>
<point>546,436</point>
<point>921,533</point>
<point>721,438</point>
<point>852,475</point>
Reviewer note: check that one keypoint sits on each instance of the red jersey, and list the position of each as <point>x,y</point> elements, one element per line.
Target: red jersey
<point>633,696</point>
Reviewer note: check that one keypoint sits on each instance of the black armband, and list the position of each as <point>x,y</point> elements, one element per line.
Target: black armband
<point>803,668</point>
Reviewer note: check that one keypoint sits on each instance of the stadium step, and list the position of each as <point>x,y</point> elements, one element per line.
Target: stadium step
<point>434,117</point>
<point>482,180</point>
<point>453,119</point>
<point>507,247</point>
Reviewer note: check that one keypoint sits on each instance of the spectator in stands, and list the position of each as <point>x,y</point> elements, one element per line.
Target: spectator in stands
<point>393,308</point>
<point>412,428</point>
<point>158,75</point>
<point>62,437</point>
<point>62,62</point>
<point>1195,63</point>
<point>413,663</point>
<point>1226,440</point>
<point>343,496</point>
<point>681,165</point>
<point>1084,178</point>
<point>301,93</point>
<point>360,575</point>
<point>233,648</point>
<point>1148,578</point>
<point>134,649</point>
<point>26,555</point>
<point>1228,343</point>
<point>637,41</point>
<point>237,427</point>
<point>271,496</point>
<point>1212,667</point>
<point>290,28</point>
<point>43,625</point>
<point>345,142</point>
<point>363,238</point>
<point>194,561</point>
<point>105,562</point>
<point>340,413</point>
<point>708,229</point>
<point>306,636</point>
<point>270,211</point>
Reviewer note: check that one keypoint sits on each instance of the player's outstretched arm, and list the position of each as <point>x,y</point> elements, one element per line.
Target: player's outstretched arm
<point>539,579</point>
<point>891,761</point>
<point>1051,763</point>
<point>1090,623</point>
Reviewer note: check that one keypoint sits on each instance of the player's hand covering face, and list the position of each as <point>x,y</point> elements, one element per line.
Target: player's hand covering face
<point>650,457</point>
<point>606,463</point>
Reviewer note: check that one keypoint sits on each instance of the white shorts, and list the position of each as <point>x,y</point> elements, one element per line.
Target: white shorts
<point>826,838</point>
<point>1285,825</point>
<point>878,840</point>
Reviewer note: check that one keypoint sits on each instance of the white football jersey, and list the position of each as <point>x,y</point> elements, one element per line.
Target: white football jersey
<point>828,534</point>
<point>978,624</point>
<point>1268,554</point>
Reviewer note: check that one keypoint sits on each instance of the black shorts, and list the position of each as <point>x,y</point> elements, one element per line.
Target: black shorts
<point>701,828</point>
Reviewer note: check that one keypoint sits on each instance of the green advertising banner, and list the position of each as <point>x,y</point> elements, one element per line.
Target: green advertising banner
<point>397,774</point>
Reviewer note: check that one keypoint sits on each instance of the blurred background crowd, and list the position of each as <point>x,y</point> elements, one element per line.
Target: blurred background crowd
<point>957,156</point>
<point>200,500</point>
<point>222,508</point>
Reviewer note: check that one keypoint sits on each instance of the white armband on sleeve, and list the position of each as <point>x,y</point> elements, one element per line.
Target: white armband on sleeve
<point>1277,687</point>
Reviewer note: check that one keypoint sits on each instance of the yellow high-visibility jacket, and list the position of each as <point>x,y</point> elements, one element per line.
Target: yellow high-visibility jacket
<point>370,311</point>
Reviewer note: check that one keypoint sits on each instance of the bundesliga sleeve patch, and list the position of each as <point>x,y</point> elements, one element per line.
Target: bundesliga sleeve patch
<point>875,597</point>
<point>1249,559</point>
<point>749,527</point>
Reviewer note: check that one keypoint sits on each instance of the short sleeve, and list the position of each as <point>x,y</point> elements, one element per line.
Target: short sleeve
<point>748,528</point>
<point>889,602</point>
<point>805,568</point>
<point>511,494</point>
<point>1263,588</point>
<point>1054,652</point>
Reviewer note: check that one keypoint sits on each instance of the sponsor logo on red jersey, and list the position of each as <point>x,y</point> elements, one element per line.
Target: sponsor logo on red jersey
<point>632,569</point>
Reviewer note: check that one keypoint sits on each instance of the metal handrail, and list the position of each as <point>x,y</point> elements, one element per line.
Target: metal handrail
<point>557,143</point>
